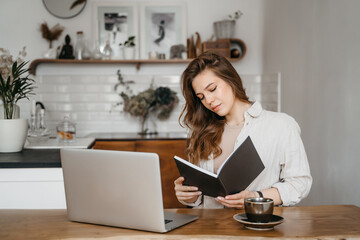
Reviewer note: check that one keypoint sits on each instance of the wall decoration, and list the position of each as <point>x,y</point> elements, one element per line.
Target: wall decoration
<point>115,22</point>
<point>162,26</point>
<point>65,8</point>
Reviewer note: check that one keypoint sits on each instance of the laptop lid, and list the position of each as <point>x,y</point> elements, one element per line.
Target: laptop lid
<point>115,188</point>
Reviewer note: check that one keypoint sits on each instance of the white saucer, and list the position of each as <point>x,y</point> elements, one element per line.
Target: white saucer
<point>275,220</point>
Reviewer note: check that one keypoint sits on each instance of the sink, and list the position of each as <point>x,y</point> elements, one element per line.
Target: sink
<point>52,143</point>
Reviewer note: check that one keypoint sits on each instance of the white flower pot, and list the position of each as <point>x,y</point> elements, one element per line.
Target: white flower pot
<point>13,133</point>
<point>129,52</point>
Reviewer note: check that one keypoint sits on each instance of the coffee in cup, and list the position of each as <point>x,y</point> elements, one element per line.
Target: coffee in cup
<point>259,209</point>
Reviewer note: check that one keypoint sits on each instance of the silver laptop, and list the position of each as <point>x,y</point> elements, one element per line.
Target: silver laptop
<point>117,188</point>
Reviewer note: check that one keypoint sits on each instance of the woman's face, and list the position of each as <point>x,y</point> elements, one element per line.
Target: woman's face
<point>214,93</point>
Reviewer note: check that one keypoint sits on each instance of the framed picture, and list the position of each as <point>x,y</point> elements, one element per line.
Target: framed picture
<point>115,22</point>
<point>162,26</point>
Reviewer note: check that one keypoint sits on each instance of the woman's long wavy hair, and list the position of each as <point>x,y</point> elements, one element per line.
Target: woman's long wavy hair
<point>206,126</point>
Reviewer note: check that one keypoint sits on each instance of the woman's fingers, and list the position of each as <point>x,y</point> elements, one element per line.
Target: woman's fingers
<point>179,180</point>
<point>185,188</point>
<point>179,187</point>
<point>234,203</point>
<point>185,193</point>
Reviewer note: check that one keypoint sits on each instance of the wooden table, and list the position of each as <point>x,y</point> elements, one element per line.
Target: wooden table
<point>320,222</point>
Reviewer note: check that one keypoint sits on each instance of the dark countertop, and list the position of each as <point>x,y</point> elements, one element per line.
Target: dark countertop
<point>31,158</point>
<point>136,136</point>
<point>50,158</point>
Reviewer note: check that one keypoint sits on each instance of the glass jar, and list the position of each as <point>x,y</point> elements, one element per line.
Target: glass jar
<point>86,54</point>
<point>79,45</point>
<point>66,131</point>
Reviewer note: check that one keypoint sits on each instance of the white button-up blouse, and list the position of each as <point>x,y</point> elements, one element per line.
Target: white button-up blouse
<point>276,137</point>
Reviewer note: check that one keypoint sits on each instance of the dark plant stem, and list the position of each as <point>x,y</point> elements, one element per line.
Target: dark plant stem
<point>8,109</point>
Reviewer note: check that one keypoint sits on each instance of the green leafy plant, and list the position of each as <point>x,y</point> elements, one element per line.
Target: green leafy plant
<point>236,15</point>
<point>13,84</point>
<point>130,42</point>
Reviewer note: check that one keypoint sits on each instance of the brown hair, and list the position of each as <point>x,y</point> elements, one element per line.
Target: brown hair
<point>206,126</point>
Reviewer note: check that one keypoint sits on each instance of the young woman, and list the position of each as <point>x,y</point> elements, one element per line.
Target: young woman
<point>220,117</point>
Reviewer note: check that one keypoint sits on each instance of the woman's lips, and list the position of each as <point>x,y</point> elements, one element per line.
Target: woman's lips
<point>216,108</point>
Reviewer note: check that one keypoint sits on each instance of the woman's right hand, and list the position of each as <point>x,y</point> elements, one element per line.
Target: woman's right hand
<point>188,194</point>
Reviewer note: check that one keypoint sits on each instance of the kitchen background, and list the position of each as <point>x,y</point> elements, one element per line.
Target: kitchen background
<point>313,44</point>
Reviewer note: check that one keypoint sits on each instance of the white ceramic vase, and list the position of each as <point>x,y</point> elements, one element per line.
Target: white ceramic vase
<point>13,133</point>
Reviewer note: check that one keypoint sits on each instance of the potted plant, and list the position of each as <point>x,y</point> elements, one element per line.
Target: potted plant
<point>226,28</point>
<point>14,85</point>
<point>129,48</point>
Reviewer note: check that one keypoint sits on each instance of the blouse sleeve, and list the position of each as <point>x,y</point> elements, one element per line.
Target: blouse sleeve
<point>295,178</point>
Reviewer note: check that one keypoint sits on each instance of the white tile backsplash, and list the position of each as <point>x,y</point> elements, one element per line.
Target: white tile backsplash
<point>92,101</point>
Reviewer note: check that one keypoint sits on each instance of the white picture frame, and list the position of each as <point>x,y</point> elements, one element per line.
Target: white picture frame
<point>115,21</point>
<point>162,25</point>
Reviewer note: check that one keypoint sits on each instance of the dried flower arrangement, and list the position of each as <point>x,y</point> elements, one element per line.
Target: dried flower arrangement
<point>160,101</point>
<point>51,34</point>
<point>76,3</point>
<point>13,85</point>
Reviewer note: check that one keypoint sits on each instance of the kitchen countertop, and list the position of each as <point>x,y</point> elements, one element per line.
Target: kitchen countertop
<point>135,136</point>
<point>31,158</point>
<point>48,154</point>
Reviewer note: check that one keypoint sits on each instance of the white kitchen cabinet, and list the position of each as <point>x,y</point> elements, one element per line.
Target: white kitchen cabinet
<point>32,188</point>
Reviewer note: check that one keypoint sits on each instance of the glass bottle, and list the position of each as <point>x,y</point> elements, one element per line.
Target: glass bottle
<point>107,52</point>
<point>96,52</point>
<point>79,45</point>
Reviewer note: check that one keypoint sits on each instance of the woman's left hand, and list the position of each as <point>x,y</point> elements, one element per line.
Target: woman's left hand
<point>236,200</point>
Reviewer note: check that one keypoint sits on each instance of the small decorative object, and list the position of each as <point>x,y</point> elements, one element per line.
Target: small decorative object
<point>129,48</point>
<point>66,131</point>
<point>13,87</point>
<point>160,102</point>
<point>153,55</point>
<point>67,49</point>
<point>51,34</point>
<point>226,28</point>
<point>191,51</point>
<point>198,47</point>
<point>176,51</point>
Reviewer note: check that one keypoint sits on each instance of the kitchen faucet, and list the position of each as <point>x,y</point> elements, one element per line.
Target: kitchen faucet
<point>39,118</point>
<point>37,124</point>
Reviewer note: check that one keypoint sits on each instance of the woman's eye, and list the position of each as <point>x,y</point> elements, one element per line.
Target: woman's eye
<point>201,98</point>
<point>213,89</point>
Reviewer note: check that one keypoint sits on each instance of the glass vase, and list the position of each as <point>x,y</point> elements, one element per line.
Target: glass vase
<point>147,125</point>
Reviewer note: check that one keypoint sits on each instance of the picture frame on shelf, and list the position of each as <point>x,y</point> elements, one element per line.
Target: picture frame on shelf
<point>115,22</point>
<point>162,25</point>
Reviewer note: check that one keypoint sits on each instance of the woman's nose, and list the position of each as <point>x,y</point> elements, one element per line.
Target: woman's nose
<point>209,99</point>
